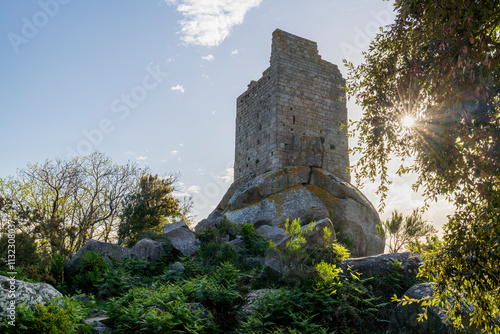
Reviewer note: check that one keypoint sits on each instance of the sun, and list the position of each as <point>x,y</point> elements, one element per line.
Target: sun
<point>408,121</point>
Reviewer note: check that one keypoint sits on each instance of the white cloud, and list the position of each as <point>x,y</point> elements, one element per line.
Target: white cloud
<point>178,87</point>
<point>228,176</point>
<point>174,152</point>
<point>193,190</point>
<point>209,22</point>
<point>234,52</point>
<point>141,158</point>
<point>179,194</point>
<point>208,58</point>
<point>205,76</point>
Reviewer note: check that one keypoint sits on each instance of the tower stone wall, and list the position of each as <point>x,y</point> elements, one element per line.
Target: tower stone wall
<point>292,115</point>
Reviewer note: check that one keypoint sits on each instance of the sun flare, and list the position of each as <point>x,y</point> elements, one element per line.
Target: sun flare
<point>408,121</point>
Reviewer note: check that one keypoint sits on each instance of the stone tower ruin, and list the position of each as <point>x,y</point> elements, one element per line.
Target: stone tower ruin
<point>292,115</point>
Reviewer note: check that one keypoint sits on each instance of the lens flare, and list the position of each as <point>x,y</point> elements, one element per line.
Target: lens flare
<point>408,121</point>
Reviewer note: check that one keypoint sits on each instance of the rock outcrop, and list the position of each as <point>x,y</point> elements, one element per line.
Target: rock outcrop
<point>182,238</point>
<point>383,264</point>
<point>97,324</point>
<point>146,249</point>
<point>25,293</point>
<point>307,193</point>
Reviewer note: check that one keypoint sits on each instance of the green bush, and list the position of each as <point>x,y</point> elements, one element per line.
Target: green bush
<point>115,281</point>
<point>335,303</point>
<point>173,305</point>
<point>57,268</point>
<point>51,318</point>
<point>26,250</point>
<point>164,309</point>
<point>334,253</point>
<point>90,272</point>
<point>255,244</point>
<point>213,252</point>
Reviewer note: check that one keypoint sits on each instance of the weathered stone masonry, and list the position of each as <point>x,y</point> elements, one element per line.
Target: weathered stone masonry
<point>291,116</point>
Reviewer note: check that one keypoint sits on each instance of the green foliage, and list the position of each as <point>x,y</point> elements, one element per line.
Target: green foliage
<point>64,203</point>
<point>254,243</point>
<point>90,272</point>
<point>163,309</point>
<point>173,304</point>
<point>297,236</point>
<point>430,246</point>
<point>400,231</point>
<point>214,248</point>
<point>214,253</point>
<point>148,207</point>
<point>342,237</point>
<point>25,249</point>
<point>334,254</point>
<point>115,281</point>
<point>439,63</point>
<point>334,303</point>
<point>57,268</point>
<point>50,318</point>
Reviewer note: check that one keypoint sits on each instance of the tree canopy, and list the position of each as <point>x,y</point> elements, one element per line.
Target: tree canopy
<point>148,207</point>
<point>439,63</point>
<point>64,203</point>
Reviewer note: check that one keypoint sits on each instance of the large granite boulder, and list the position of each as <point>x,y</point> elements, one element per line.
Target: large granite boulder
<point>145,249</point>
<point>14,292</point>
<point>106,250</point>
<point>269,232</point>
<point>182,238</point>
<point>383,264</point>
<point>404,318</point>
<point>295,202</point>
<point>307,193</point>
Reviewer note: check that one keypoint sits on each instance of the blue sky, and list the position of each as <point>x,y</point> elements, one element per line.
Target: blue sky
<point>156,81</point>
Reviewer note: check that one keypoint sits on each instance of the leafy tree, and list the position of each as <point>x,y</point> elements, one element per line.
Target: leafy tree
<point>400,231</point>
<point>148,207</point>
<point>64,203</point>
<point>430,246</point>
<point>439,62</point>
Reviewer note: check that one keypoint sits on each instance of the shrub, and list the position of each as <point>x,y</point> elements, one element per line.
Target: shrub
<point>334,253</point>
<point>213,251</point>
<point>115,281</point>
<point>334,302</point>
<point>57,268</point>
<point>255,244</point>
<point>277,312</point>
<point>152,310</point>
<point>90,272</point>
<point>26,250</point>
<point>50,318</point>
